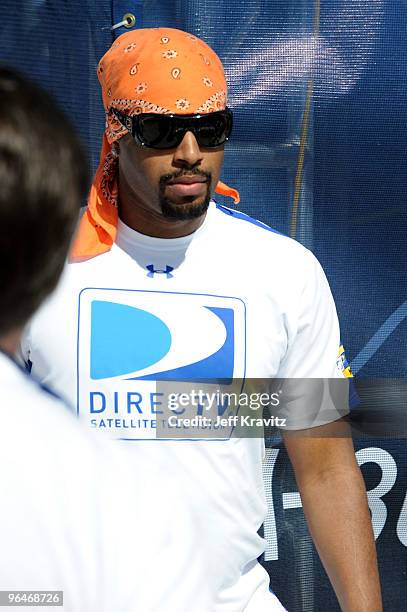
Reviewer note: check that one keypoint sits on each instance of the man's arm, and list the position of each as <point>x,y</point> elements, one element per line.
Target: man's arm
<point>335,505</point>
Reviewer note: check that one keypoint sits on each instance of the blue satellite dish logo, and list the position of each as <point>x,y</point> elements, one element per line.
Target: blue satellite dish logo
<point>125,339</point>
<point>136,344</point>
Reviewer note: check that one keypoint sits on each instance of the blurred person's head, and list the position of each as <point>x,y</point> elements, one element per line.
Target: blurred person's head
<point>43,176</point>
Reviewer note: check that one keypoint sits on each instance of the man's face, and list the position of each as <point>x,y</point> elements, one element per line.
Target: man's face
<point>172,183</point>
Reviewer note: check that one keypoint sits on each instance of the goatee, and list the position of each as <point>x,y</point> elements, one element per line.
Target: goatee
<point>186,210</point>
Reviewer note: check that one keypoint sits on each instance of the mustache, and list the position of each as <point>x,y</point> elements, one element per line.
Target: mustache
<point>165,178</point>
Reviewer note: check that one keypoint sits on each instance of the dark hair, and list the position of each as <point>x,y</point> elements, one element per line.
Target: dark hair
<point>43,176</point>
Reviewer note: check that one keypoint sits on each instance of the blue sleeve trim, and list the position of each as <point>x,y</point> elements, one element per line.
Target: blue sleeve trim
<point>244,217</point>
<point>26,370</point>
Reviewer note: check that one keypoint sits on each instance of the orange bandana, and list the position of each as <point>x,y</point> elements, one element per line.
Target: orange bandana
<point>158,70</point>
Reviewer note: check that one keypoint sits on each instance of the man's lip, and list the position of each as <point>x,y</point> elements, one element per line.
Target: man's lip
<point>187,180</point>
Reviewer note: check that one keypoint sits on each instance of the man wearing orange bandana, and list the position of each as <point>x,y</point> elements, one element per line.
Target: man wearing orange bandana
<point>146,73</point>
<point>164,284</point>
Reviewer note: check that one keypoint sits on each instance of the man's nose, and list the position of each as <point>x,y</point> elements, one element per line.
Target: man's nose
<point>188,152</point>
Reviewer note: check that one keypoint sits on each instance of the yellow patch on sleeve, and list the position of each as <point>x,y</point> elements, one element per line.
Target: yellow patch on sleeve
<point>343,364</point>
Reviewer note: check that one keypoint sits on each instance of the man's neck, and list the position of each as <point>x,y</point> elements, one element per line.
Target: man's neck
<point>154,224</point>
<point>10,342</point>
<point>144,219</point>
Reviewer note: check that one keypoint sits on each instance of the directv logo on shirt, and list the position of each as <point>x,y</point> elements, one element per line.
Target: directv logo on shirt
<point>129,339</point>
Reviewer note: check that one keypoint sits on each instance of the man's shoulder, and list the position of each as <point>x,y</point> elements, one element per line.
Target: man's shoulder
<point>258,238</point>
<point>37,424</point>
<point>30,404</point>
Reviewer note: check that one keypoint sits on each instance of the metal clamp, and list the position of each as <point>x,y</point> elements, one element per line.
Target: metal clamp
<point>128,21</point>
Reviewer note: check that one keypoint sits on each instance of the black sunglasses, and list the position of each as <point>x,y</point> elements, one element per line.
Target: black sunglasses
<point>167,131</point>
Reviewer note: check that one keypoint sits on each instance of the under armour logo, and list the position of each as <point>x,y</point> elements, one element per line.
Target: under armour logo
<point>152,271</point>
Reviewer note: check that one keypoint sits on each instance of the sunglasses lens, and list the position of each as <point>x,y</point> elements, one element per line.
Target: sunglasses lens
<point>166,132</point>
<point>212,130</point>
<point>156,131</point>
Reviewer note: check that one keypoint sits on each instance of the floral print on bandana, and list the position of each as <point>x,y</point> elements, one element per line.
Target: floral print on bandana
<point>134,69</point>
<point>182,104</point>
<point>130,47</point>
<point>214,103</point>
<point>108,183</point>
<point>170,54</point>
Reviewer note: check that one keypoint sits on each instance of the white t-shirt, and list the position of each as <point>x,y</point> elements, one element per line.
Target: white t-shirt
<point>233,301</point>
<point>75,518</point>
